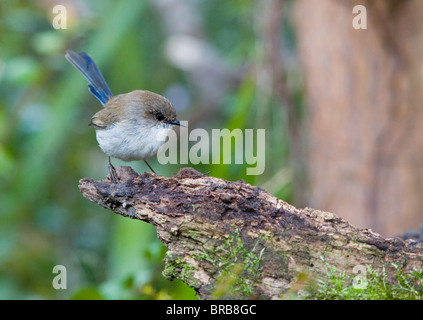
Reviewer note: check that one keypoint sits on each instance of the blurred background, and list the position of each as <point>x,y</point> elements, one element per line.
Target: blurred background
<point>341,109</point>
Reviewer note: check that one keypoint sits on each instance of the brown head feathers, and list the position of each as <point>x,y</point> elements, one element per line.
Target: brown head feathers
<point>135,106</point>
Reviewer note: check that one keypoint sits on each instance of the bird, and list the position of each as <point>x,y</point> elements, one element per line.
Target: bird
<point>131,126</point>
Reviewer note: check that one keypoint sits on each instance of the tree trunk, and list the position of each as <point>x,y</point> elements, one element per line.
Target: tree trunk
<point>233,240</point>
<point>364,91</point>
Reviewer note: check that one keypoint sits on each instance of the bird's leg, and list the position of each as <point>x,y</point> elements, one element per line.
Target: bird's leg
<point>150,167</point>
<point>112,171</point>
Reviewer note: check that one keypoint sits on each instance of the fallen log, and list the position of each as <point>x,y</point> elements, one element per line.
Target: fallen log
<point>234,240</point>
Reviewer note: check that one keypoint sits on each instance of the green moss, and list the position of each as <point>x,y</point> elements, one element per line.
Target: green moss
<point>177,265</point>
<point>238,267</point>
<point>235,267</point>
<point>372,285</point>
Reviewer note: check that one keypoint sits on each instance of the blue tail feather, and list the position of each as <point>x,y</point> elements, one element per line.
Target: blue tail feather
<point>86,65</point>
<point>100,95</point>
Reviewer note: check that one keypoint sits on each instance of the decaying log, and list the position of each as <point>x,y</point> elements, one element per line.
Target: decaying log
<point>225,235</point>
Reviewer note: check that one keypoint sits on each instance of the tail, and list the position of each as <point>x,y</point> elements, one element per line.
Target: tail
<point>86,65</point>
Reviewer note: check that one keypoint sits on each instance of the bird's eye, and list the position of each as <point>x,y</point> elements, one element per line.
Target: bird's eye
<point>159,116</point>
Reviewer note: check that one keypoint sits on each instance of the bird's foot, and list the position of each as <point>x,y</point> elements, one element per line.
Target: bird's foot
<point>113,175</point>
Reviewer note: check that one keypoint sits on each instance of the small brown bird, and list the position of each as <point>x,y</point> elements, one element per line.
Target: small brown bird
<point>131,126</point>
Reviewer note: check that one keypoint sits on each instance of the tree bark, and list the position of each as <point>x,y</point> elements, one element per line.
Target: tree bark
<point>364,110</point>
<point>219,232</point>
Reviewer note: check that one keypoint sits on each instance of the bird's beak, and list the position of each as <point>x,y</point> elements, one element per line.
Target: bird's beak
<point>176,123</point>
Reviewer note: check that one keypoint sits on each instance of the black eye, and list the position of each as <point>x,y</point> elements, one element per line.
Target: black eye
<point>159,116</point>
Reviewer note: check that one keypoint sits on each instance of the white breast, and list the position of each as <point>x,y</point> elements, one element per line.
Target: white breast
<point>129,143</point>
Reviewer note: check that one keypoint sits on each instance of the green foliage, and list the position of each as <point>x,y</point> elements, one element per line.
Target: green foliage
<point>339,286</point>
